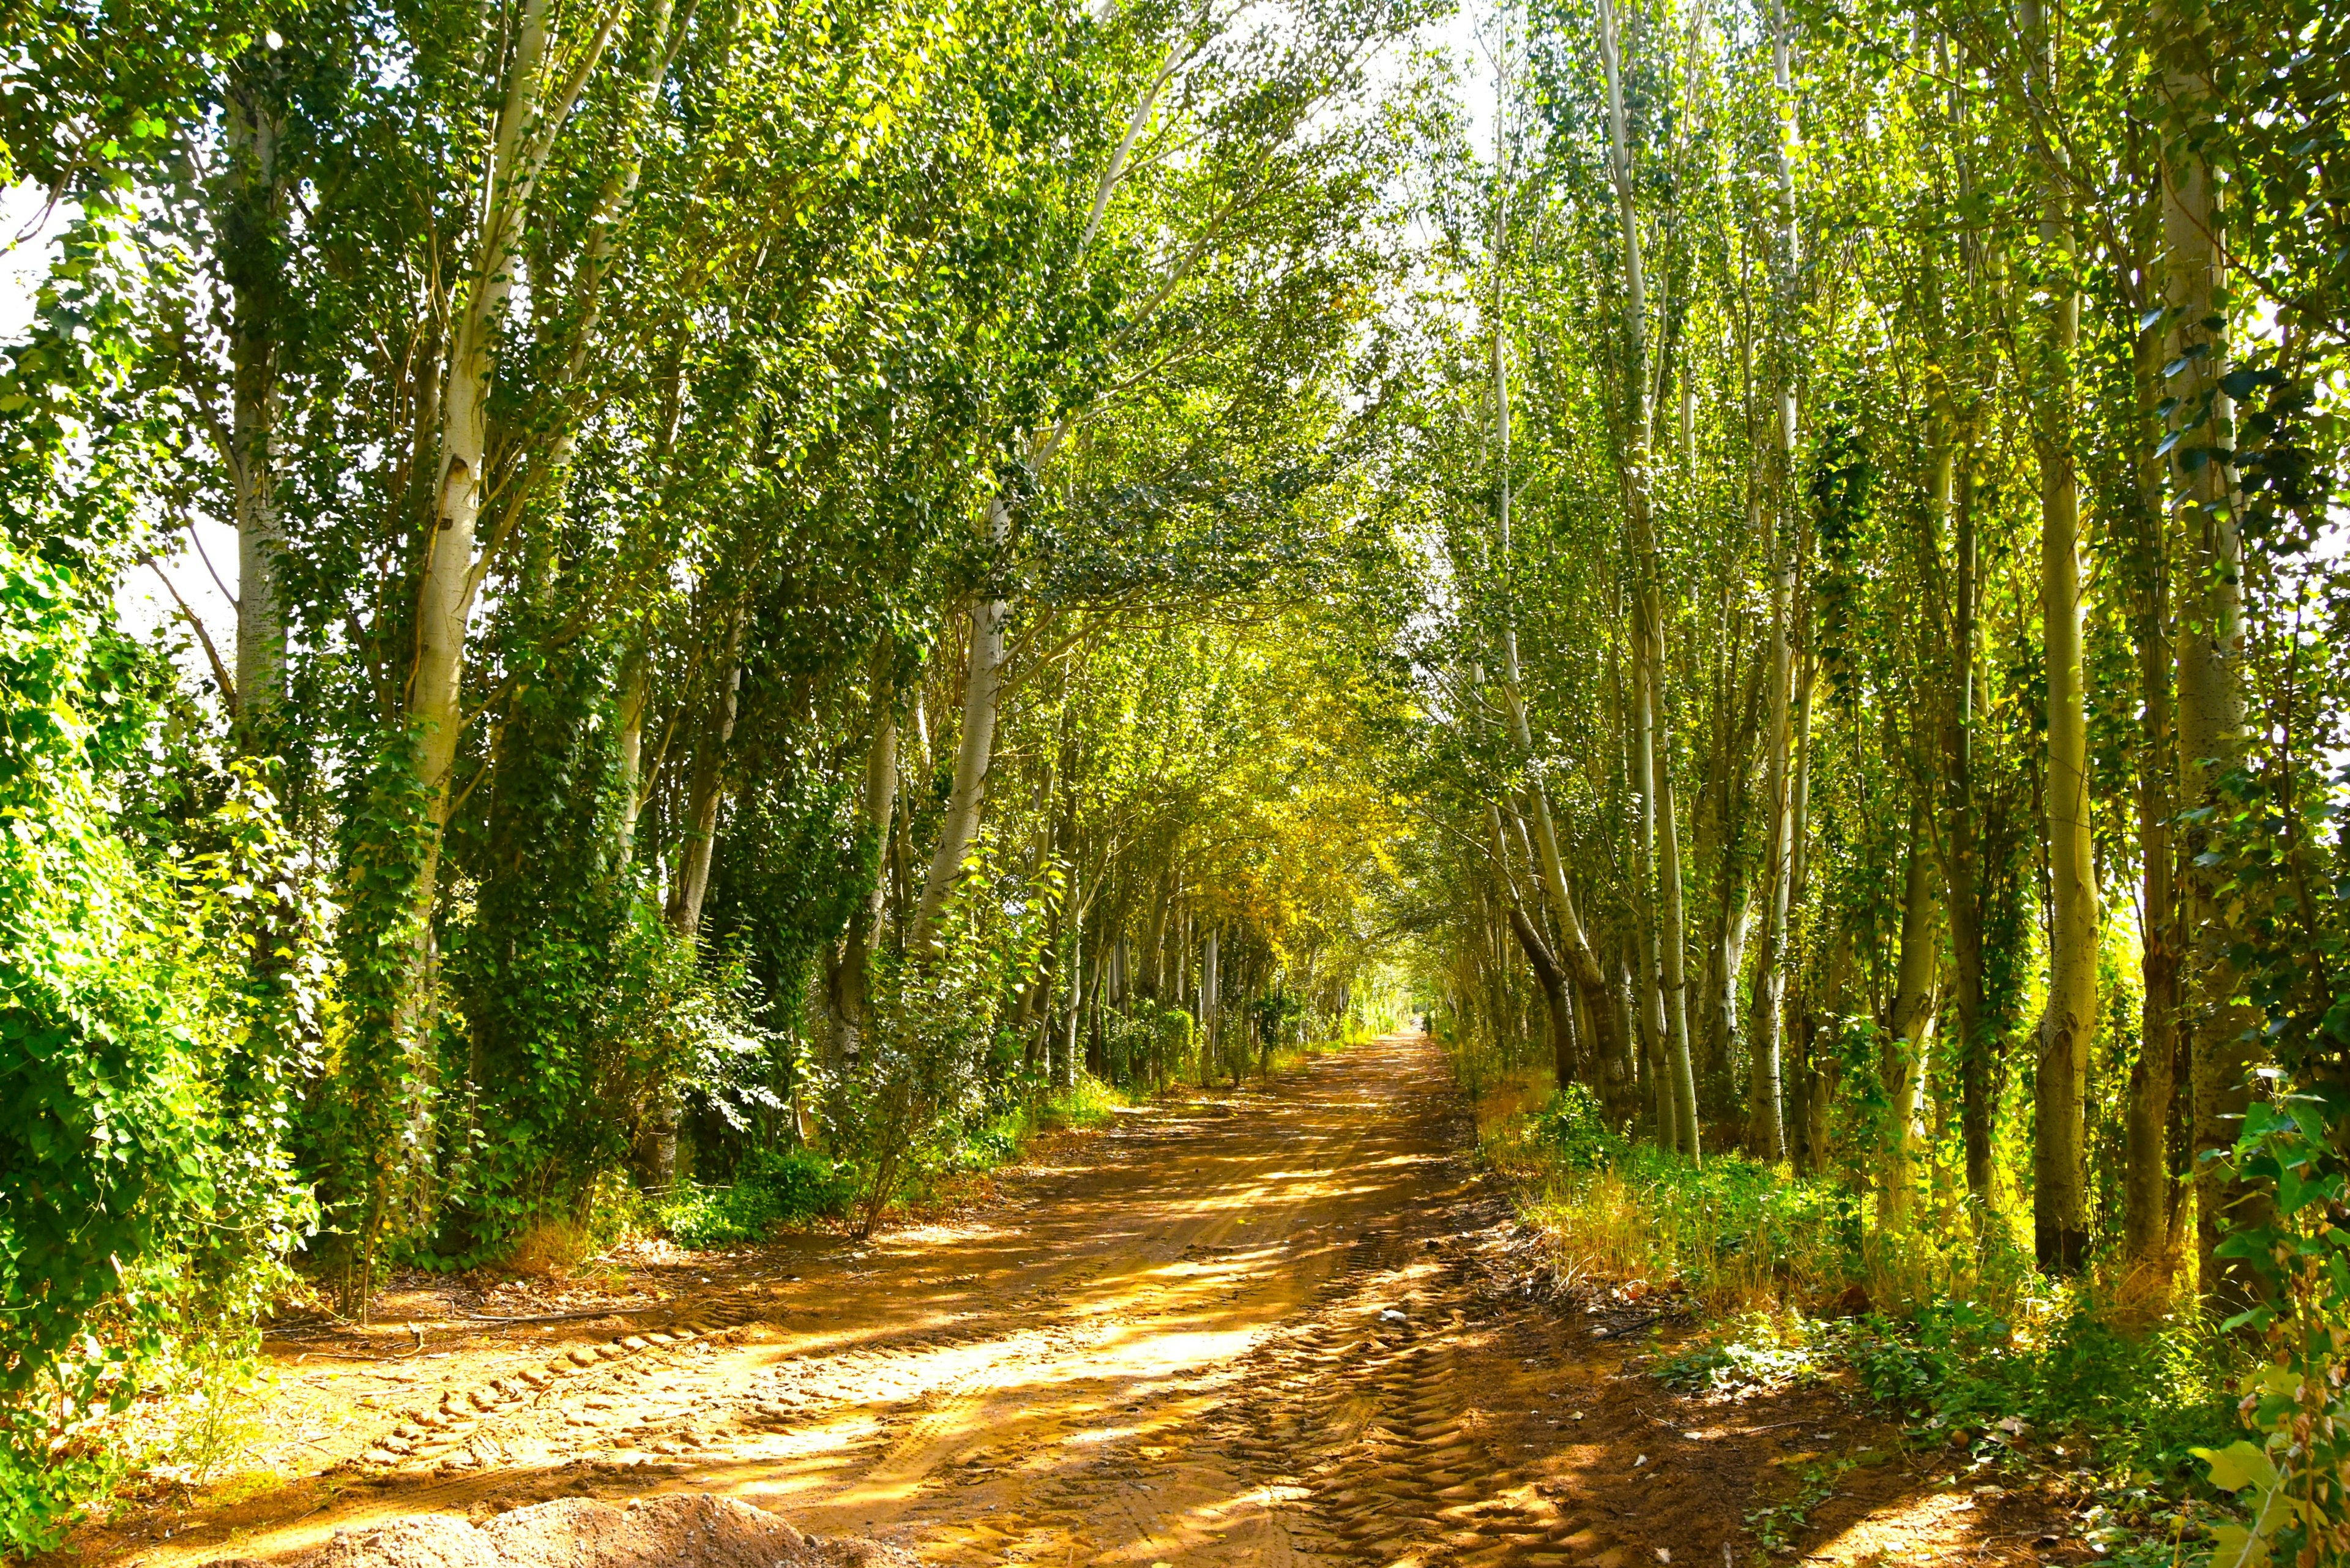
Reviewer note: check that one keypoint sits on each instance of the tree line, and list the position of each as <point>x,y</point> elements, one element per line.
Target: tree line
<point>804,575</point>
<point>793,582</point>
<point>1887,671</point>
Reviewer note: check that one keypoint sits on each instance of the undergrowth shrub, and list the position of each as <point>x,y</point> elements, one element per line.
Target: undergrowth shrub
<point>936,1020</point>
<point>161,986</point>
<point>770,1188</point>
<point>1957,1331</point>
<point>998,1138</point>
<point>2137,1403</point>
<point>1729,1232</point>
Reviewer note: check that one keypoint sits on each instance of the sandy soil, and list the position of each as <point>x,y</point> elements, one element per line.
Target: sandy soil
<point>1286,1325</point>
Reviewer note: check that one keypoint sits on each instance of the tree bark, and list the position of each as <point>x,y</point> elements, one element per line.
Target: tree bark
<point>528,122</point>
<point>1903,1056</point>
<point>1766,1133</point>
<point>981,694</point>
<point>636,694</point>
<point>251,249</point>
<point>878,806</point>
<point>1662,920</point>
<point>1963,870</point>
<point>1672,937</point>
<point>2211,648</point>
<point>1065,1051</point>
<point>1647,998</point>
<point>2059,1191</point>
<point>2154,1082</point>
<point>705,791</point>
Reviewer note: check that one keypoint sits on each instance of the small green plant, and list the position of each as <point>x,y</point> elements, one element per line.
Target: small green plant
<point>1759,1352</point>
<point>769,1189</point>
<point>1778,1528</point>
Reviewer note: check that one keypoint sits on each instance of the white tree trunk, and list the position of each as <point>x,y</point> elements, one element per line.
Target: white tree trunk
<point>1902,1061</point>
<point>981,694</point>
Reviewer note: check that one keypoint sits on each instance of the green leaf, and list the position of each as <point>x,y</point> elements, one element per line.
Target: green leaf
<point>2238,1466</point>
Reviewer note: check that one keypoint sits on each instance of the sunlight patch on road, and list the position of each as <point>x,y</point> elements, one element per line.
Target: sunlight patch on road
<point>1896,1534</point>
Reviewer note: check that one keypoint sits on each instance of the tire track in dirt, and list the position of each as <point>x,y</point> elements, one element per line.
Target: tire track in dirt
<point>1283,1329</point>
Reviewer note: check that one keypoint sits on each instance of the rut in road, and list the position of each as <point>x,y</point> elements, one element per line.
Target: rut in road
<point>1268,1329</point>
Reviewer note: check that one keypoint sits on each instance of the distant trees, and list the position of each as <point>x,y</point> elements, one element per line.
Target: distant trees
<point>793,581</point>
<point>1830,429</point>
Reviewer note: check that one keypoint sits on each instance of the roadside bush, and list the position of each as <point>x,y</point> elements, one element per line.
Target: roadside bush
<point>2135,1403</point>
<point>1730,1231</point>
<point>769,1189</point>
<point>1574,1131</point>
<point>935,1022</point>
<point>1963,1337</point>
<point>161,992</point>
<point>999,1138</point>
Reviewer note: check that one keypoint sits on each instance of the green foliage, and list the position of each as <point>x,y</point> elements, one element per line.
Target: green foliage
<point>1778,1527</point>
<point>2133,1400</point>
<point>2289,1474</point>
<point>158,1016</point>
<point>1574,1134</point>
<point>1733,1233</point>
<point>1985,1367</point>
<point>1147,1043</point>
<point>361,1134</point>
<point>934,1025</point>
<point>769,1189</point>
<point>608,1010</point>
<point>1759,1351</point>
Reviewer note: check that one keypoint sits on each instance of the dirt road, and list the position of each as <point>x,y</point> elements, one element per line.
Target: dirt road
<point>1282,1326</point>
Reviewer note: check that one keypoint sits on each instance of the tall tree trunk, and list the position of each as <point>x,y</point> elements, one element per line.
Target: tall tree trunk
<point>2154,1079</point>
<point>1963,871</point>
<point>1729,960</point>
<point>1581,964</point>
<point>252,252</point>
<point>879,805</point>
<point>2210,645</point>
<point>1672,937</point>
<point>1550,975</point>
<point>391,926</point>
<point>1064,1048</point>
<point>705,790</point>
<point>528,122</point>
<point>1664,927</point>
<point>1210,1002</point>
<point>1766,1129</point>
<point>636,694</point>
<point>1647,998</point>
<point>1154,968</point>
<point>982,693</point>
<point>1766,1133</point>
<point>2059,1191</point>
<point>1902,1064</point>
<point>1715,1040</point>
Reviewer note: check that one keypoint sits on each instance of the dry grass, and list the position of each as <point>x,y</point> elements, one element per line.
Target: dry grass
<point>551,1248</point>
<point>1511,1099</point>
<point>1612,1224</point>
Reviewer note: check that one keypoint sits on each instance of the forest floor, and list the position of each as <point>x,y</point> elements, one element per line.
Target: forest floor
<point>1285,1324</point>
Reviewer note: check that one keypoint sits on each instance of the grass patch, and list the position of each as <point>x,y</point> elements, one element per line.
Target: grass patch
<point>2086,1381</point>
<point>1733,1234</point>
<point>1001,1138</point>
<point>1778,1528</point>
<point>1764,1351</point>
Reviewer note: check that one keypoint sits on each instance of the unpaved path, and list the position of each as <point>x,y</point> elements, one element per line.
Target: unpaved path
<point>1279,1327</point>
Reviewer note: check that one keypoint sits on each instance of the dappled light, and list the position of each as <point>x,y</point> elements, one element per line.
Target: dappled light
<point>1420,784</point>
<point>1285,1335</point>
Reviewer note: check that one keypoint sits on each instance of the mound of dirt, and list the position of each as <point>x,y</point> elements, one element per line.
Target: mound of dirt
<point>676,1529</point>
